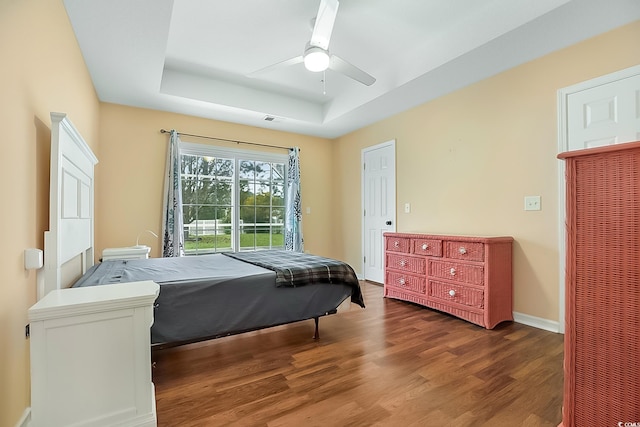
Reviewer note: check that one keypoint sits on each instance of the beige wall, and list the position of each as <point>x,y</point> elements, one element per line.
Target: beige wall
<point>42,71</point>
<point>132,160</point>
<point>465,161</point>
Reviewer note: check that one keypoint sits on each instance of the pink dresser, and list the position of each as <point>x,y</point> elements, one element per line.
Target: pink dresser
<point>468,277</point>
<point>602,291</point>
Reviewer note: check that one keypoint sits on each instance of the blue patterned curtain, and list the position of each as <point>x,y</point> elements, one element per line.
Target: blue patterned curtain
<point>293,219</point>
<point>172,229</point>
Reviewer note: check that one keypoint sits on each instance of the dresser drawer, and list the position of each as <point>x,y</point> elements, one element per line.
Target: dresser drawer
<point>460,272</point>
<point>456,293</point>
<point>411,264</point>
<point>407,282</point>
<point>428,247</point>
<point>469,251</point>
<point>398,244</point>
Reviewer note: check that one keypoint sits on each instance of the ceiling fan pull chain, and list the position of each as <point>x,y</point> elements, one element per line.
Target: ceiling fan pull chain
<point>324,82</point>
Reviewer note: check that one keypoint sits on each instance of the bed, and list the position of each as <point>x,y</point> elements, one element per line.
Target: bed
<point>209,296</point>
<point>201,297</point>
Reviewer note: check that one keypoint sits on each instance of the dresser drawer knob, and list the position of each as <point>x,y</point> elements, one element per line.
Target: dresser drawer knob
<point>403,263</point>
<point>462,250</point>
<point>396,244</point>
<point>452,293</point>
<point>425,246</point>
<point>452,271</point>
<point>401,281</point>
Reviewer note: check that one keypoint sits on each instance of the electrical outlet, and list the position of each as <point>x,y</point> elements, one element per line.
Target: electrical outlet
<point>532,203</point>
<point>407,208</point>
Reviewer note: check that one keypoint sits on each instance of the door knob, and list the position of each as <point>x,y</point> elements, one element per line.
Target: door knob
<point>388,222</point>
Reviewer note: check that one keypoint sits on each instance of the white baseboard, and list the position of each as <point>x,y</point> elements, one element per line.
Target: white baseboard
<point>25,420</point>
<point>537,322</point>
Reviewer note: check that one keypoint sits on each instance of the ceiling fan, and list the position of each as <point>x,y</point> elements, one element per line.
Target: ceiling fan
<point>316,56</point>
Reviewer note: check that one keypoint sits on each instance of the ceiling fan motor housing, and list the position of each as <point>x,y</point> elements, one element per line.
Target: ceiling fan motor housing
<point>316,58</point>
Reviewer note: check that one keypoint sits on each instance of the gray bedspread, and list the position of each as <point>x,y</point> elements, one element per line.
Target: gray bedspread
<point>213,295</point>
<point>301,269</point>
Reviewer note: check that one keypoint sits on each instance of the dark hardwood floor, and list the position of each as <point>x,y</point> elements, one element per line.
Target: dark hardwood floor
<point>391,364</point>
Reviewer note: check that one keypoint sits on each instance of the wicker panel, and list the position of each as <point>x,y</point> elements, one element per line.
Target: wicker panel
<point>405,296</point>
<point>407,282</point>
<point>468,251</point>
<point>460,272</point>
<point>411,264</point>
<point>398,244</point>
<point>428,247</point>
<point>602,343</point>
<point>456,293</point>
<point>498,284</point>
<point>471,316</point>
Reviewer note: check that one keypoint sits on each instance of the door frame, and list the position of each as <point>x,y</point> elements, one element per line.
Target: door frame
<point>563,145</point>
<point>365,150</point>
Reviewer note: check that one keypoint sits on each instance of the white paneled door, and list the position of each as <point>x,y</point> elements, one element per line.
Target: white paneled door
<point>604,115</point>
<point>602,111</point>
<point>379,205</point>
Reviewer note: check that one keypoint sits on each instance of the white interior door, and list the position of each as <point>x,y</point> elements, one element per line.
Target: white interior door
<point>379,205</point>
<point>602,111</point>
<point>604,115</point>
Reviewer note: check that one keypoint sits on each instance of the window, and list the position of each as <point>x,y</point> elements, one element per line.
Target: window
<point>232,199</point>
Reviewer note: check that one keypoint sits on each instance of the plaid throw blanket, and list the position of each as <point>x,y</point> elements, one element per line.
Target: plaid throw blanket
<point>298,269</point>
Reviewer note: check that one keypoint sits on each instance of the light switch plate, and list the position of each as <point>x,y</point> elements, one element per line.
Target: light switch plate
<point>532,203</point>
<point>407,208</point>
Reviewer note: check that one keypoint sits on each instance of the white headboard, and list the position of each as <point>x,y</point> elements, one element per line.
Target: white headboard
<point>70,236</point>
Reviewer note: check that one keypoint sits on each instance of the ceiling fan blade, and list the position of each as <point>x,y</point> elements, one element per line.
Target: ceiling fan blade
<point>341,66</point>
<point>324,23</point>
<point>277,65</point>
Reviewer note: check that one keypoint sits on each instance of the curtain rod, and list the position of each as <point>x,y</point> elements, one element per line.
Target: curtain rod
<point>229,140</point>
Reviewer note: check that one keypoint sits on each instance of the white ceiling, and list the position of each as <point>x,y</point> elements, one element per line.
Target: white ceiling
<point>195,57</point>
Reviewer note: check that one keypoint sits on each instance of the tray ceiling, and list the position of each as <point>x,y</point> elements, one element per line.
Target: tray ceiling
<point>199,57</point>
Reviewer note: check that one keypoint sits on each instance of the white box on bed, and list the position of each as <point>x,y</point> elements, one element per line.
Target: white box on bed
<point>131,252</point>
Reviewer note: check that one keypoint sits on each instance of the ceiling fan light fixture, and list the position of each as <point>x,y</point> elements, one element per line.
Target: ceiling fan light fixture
<point>316,59</point>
